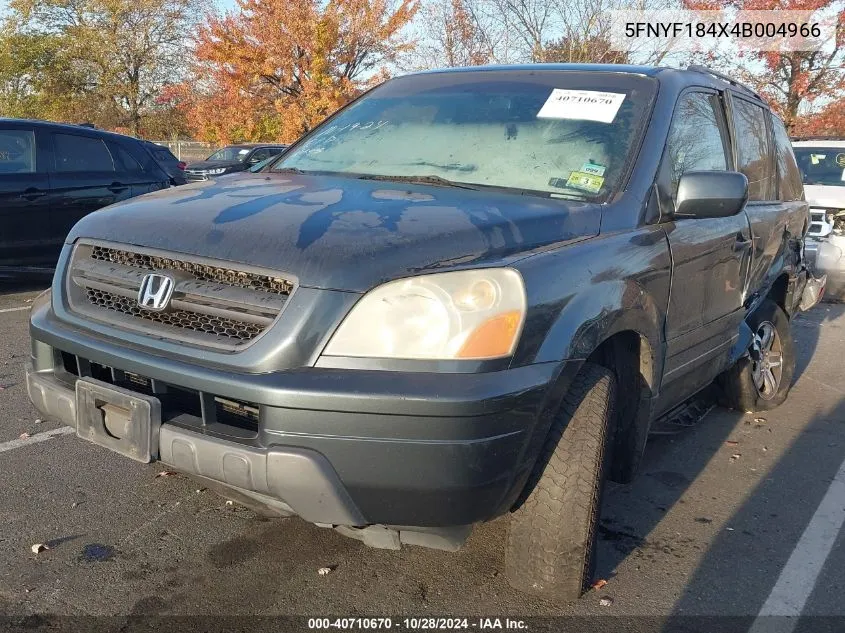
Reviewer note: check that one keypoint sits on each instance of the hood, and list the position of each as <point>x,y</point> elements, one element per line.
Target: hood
<point>215,164</point>
<point>341,233</point>
<point>825,196</point>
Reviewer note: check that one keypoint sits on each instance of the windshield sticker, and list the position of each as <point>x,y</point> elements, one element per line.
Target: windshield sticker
<point>585,105</point>
<point>593,168</point>
<point>585,182</point>
<point>840,160</point>
<point>243,151</point>
<point>815,158</point>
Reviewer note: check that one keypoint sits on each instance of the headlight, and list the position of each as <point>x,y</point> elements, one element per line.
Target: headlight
<point>216,172</point>
<point>470,314</point>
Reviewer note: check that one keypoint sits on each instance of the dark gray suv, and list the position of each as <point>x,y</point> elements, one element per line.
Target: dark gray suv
<point>466,294</point>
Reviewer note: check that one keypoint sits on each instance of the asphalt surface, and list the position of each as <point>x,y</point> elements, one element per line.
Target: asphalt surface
<point>708,528</point>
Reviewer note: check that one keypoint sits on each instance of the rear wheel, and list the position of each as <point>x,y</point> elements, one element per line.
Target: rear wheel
<point>761,381</point>
<point>552,536</point>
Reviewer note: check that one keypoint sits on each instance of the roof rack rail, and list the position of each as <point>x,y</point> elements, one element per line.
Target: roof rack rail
<point>724,77</point>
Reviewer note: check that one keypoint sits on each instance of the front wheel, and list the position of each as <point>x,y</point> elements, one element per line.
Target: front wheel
<point>552,536</point>
<point>761,381</point>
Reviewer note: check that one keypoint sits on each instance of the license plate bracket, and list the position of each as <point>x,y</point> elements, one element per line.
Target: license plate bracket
<point>123,421</point>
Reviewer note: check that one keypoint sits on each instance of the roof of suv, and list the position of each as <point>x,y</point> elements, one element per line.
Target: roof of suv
<point>68,127</point>
<point>693,74</point>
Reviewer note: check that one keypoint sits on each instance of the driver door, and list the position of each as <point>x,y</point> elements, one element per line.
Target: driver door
<point>710,256</point>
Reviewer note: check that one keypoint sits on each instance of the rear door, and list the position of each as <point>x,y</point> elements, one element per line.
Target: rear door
<point>136,168</point>
<point>710,257</point>
<point>768,216</point>
<point>84,178</point>
<point>25,238</point>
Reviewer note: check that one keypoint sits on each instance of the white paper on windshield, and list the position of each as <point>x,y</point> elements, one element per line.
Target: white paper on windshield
<point>585,105</point>
<point>244,151</point>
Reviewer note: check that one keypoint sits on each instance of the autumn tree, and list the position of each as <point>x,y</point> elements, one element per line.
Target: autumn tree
<point>275,68</point>
<point>98,60</point>
<point>791,81</point>
<point>456,34</point>
<point>827,121</point>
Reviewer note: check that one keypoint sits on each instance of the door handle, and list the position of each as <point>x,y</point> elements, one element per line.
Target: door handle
<point>32,193</point>
<point>742,243</point>
<point>116,187</point>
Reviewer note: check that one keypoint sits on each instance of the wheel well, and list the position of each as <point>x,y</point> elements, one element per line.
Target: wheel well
<point>779,291</point>
<point>630,357</point>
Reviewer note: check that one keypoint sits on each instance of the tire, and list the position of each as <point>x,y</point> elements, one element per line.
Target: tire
<point>551,543</point>
<point>746,386</point>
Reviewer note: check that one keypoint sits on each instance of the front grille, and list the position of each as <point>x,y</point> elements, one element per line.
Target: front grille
<point>217,274</point>
<point>203,323</point>
<point>212,305</point>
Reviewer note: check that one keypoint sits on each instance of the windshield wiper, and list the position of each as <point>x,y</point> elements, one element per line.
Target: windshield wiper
<point>421,180</point>
<point>288,170</point>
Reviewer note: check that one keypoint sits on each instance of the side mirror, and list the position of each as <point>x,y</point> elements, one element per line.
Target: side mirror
<point>711,194</point>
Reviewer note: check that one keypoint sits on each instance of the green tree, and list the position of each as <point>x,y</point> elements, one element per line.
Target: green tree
<point>104,61</point>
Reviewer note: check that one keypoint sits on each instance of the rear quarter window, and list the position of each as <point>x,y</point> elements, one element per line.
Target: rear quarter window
<point>789,176</point>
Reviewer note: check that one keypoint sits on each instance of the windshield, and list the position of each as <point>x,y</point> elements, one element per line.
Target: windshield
<point>549,133</point>
<point>821,165</point>
<point>230,153</point>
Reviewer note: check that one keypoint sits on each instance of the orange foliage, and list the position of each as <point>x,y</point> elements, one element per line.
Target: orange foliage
<point>275,68</point>
<point>829,121</point>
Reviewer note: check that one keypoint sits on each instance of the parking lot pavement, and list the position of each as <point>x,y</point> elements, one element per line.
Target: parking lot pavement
<point>736,516</point>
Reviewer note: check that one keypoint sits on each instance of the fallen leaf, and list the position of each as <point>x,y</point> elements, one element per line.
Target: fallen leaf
<point>729,529</point>
<point>230,503</point>
<point>765,448</point>
<point>24,436</point>
<point>39,547</point>
<point>759,420</point>
<point>38,420</point>
<point>606,601</point>
<point>324,571</point>
<point>735,456</point>
<point>732,443</point>
<point>165,473</point>
<point>599,584</point>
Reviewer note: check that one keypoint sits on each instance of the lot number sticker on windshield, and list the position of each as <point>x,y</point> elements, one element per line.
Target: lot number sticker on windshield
<point>584,105</point>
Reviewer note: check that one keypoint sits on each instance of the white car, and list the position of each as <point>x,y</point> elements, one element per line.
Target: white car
<point>822,165</point>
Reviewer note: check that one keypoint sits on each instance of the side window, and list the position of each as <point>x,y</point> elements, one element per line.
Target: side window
<point>753,150</point>
<point>697,136</point>
<point>789,177</point>
<point>17,152</point>
<point>74,153</point>
<point>125,160</point>
<point>262,154</point>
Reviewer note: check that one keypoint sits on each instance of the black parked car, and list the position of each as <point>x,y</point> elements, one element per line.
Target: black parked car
<point>174,167</point>
<point>233,158</point>
<point>467,294</point>
<point>52,175</point>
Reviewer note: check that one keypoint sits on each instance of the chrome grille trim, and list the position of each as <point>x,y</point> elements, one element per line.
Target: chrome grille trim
<point>213,305</point>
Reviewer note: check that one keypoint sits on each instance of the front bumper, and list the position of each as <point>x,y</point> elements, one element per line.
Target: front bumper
<point>337,447</point>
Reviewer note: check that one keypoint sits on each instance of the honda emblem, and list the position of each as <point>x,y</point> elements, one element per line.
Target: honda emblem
<point>155,292</point>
